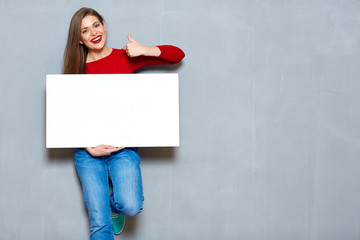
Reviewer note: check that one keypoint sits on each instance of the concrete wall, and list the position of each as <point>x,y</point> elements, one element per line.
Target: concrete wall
<point>270,126</point>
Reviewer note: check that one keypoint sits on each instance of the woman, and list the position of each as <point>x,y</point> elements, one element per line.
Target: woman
<point>86,53</point>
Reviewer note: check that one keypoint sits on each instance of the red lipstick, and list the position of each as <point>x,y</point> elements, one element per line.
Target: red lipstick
<point>99,37</point>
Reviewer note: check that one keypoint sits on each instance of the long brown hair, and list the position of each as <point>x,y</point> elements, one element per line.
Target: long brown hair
<point>75,53</point>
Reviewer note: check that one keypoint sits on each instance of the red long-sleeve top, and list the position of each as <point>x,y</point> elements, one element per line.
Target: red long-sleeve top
<point>119,62</point>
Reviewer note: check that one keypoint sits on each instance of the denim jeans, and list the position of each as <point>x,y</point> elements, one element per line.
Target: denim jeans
<point>123,169</point>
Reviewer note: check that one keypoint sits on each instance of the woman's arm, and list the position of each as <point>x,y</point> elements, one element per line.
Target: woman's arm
<point>140,55</point>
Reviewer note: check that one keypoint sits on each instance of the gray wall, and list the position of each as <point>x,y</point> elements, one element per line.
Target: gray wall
<point>270,127</point>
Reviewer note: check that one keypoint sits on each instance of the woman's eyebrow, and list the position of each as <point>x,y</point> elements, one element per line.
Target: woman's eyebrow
<point>91,24</point>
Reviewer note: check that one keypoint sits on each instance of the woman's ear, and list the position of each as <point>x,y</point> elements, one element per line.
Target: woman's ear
<point>81,42</point>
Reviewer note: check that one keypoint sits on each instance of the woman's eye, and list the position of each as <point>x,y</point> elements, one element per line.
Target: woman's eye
<point>85,31</point>
<point>97,25</point>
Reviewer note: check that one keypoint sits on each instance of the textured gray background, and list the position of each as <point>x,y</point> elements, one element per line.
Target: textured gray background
<point>270,126</point>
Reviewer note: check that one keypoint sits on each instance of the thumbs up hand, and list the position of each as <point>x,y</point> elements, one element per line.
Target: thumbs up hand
<point>133,48</point>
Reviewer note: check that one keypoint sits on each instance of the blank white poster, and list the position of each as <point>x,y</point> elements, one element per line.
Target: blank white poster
<point>130,110</point>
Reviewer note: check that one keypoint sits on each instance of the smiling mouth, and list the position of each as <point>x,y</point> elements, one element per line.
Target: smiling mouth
<point>96,39</point>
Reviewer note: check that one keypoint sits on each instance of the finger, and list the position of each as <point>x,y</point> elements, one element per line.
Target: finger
<point>111,150</point>
<point>109,146</point>
<point>119,148</point>
<point>130,38</point>
<point>128,53</point>
<point>126,48</point>
<point>115,149</point>
<point>105,146</point>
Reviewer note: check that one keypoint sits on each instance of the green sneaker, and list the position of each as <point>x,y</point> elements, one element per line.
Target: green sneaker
<point>118,222</point>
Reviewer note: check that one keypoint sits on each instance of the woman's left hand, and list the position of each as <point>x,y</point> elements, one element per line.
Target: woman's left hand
<point>135,49</point>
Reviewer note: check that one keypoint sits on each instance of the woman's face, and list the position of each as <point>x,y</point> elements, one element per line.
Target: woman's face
<point>93,33</point>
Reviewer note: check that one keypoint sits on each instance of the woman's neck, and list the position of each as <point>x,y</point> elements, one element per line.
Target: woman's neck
<point>99,54</point>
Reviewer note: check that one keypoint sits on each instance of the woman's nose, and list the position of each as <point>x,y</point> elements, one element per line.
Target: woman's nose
<point>93,31</point>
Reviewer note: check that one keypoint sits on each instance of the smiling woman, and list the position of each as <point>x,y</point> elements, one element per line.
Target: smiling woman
<point>86,52</point>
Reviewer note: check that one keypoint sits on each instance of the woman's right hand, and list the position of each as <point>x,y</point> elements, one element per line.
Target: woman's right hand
<point>102,150</point>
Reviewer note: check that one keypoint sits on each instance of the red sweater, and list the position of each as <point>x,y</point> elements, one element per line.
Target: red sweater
<point>119,62</point>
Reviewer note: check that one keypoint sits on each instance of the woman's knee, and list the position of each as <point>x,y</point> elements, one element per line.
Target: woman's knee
<point>133,210</point>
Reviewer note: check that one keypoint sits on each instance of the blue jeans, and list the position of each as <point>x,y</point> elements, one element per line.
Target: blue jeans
<point>123,169</point>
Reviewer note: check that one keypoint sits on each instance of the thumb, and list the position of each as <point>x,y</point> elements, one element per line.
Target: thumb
<point>130,38</point>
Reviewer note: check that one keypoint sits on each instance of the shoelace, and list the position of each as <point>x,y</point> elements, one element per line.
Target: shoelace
<point>114,215</point>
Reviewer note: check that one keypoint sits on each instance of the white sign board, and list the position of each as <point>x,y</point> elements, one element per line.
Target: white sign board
<point>130,110</point>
